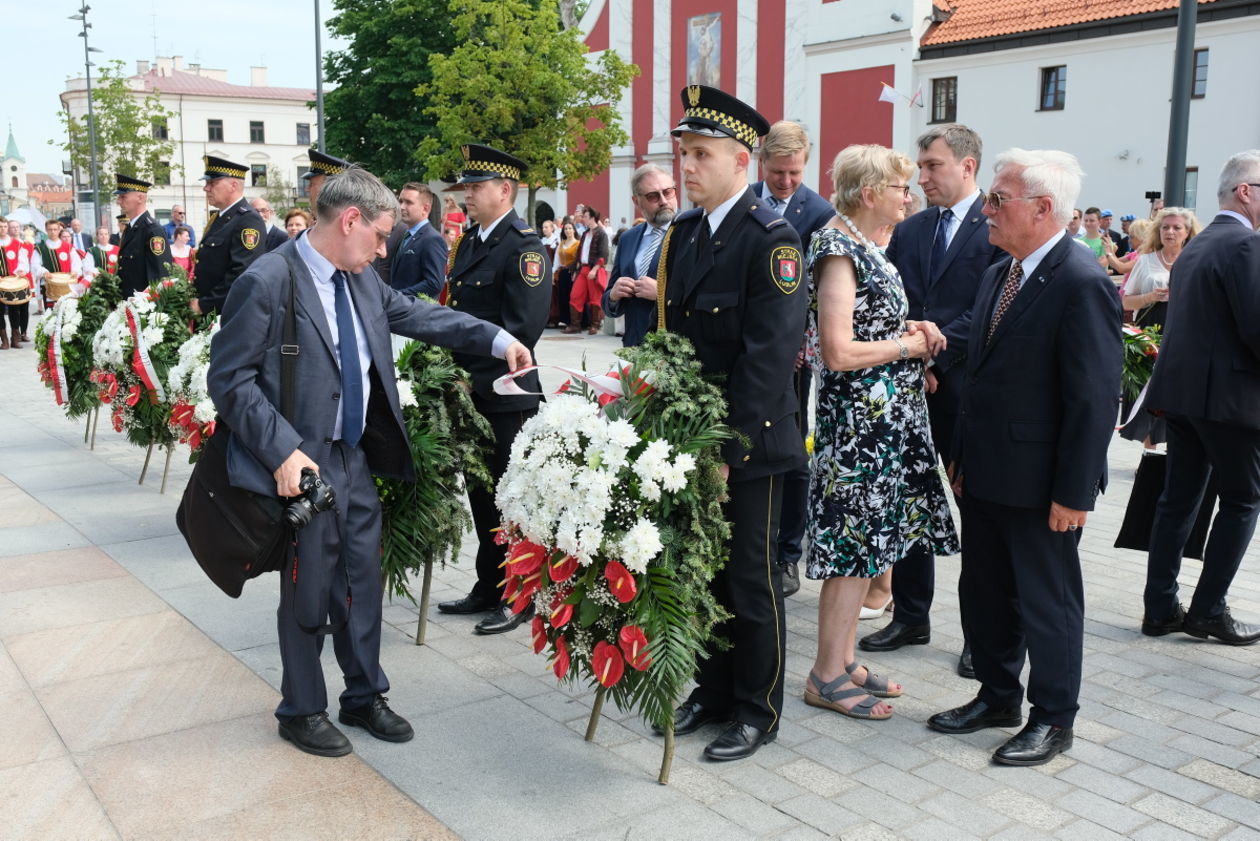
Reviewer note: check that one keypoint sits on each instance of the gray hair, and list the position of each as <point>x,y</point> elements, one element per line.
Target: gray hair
<point>962,141</point>
<point>642,172</point>
<point>1241,168</point>
<point>1047,172</point>
<point>354,187</point>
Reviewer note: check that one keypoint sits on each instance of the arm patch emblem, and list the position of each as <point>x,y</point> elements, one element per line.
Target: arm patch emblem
<point>785,268</point>
<point>532,268</point>
<point>249,238</point>
<point>157,245</point>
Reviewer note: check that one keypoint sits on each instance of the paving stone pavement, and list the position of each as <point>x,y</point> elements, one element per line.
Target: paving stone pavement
<point>1167,742</point>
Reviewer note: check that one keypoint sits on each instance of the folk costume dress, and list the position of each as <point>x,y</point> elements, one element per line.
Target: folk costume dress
<point>875,492</point>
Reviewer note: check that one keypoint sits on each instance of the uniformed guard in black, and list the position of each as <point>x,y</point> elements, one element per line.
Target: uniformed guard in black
<point>735,290</point>
<point>503,278</point>
<point>233,237</point>
<point>143,254</point>
<point>322,166</point>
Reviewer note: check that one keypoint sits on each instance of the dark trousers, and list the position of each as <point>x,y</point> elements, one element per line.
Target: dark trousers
<point>338,579</point>
<point>791,542</point>
<point>1021,596</point>
<point>914,576</point>
<point>19,317</point>
<point>1230,454</point>
<point>490,555</point>
<point>746,680</point>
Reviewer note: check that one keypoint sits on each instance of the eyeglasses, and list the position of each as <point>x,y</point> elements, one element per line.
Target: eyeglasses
<point>1246,184</point>
<point>904,188</point>
<point>659,195</point>
<point>996,200</point>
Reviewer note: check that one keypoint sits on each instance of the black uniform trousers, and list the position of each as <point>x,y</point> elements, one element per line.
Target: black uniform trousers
<point>792,522</point>
<point>19,316</point>
<point>490,555</point>
<point>336,551</point>
<point>1022,596</point>
<point>1230,455</point>
<point>746,680</point>
<point>914,576</point>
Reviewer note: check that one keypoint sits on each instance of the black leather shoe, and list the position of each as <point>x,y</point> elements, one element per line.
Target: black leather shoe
<point>503,620</point>
<point>314,734</point>
<point>471,603</point>
<point>791,579</point>
<point>1224,627</point>
<point>1159,627</point>
<point>737,741</point>
<point>894,635</point>
<point>690,717</point>
<point>379,720</point>
<point>965,669</point>
<point>972,716</point>
<point>1036,744</point>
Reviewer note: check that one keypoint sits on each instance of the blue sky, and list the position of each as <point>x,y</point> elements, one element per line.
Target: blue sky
<point>225,34</point>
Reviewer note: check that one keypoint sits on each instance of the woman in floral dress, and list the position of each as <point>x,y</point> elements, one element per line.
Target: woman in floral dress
<point>875,494</point>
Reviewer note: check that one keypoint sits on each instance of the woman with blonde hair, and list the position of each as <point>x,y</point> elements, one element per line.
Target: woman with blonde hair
<point>1146,290</point>
<point>875,495</point>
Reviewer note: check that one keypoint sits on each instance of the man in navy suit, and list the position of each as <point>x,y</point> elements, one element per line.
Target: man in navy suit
<point>275,236</point>
<point>346,425</point>
<point>1207,383</point>
<point>1030,456</point>
<point>633,292</point>
<point>941,254</point>
<point>419,263</point>
<point>784,154</point>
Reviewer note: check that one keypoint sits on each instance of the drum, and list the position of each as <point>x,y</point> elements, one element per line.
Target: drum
<point>57,284</point>
<point>14,290</point>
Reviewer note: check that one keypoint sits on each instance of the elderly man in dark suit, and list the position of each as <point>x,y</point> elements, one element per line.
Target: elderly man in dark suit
<point>347,425</point>
<point>1030,455</point>
<point>783,154</point>
<point>632,293</point>
<point>1207,383</point>
<point>941,254</point>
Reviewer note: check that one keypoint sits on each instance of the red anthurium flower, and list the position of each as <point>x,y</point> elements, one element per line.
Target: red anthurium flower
<point>181,414</point>
<point>511,587</point>
<point>525,558</point>
<point>607,663</point>
<point>563,569</point>
<point>194,438</point>
<point>620,582</point>
<point>208,429</point>
<point>560,615</point>
<point>539,633</point>
<point>116,418</point>
<point>133,395</point>
<point>633,644</point>
<point>561,664</point>
<point>530,585</point>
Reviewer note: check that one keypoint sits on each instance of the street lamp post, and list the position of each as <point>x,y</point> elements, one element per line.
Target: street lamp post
<point>319,82</point>
<point>87,67</point>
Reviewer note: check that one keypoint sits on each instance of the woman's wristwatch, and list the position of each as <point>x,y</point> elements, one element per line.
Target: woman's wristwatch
<point>905,352</point>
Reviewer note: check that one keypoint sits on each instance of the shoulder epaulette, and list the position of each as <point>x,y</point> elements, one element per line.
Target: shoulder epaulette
<point>766,217</point>
<point>520,225</point>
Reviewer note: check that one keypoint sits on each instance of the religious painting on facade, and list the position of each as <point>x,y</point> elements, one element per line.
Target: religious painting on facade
<point>704,50</point>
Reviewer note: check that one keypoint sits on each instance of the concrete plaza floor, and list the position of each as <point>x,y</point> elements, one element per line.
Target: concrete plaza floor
<point>140,699</point>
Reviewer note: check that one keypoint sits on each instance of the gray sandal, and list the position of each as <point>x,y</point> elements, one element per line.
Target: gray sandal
<point>829,696</point>
<point>874,684</point>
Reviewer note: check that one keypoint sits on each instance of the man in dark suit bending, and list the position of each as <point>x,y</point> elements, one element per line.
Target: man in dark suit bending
<point>1030,455</point>
<point>1207,383</point>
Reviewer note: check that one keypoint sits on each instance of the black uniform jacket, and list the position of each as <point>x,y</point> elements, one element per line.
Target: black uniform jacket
<point>233,241</point>
<point>742,302</point>
<point>144,255</point>
<point>505,280</point>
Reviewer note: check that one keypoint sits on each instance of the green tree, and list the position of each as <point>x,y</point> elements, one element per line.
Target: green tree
<point>519,82</point>
<point>132,135</point>
<point>373,116</point>
<point>280,194</point>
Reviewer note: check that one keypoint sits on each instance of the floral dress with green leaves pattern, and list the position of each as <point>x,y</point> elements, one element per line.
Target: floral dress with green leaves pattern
<point>875,492</point>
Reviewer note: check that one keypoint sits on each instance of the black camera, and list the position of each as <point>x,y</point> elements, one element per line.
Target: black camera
<point>316,496</point>
<point>1151,195</point>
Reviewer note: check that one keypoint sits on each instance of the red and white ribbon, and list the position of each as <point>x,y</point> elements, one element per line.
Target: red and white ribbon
<point>146,370</point>
<point>604,384</point>
<point>55,368</point>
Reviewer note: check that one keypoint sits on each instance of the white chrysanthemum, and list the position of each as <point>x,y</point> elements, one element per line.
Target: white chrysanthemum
<point>406,394</point>
<point>640,544</point>
<point>111,342</point>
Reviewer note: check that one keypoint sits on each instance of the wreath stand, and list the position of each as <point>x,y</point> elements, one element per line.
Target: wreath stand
<point>667,758</point>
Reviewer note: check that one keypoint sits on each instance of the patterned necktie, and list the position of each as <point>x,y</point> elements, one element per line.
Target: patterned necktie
<point>940,244</point>
<point>214,214</point>
<point>647,254</point>
<point>351,370</point>
<point>776,204</point>
<point>1009,291</point>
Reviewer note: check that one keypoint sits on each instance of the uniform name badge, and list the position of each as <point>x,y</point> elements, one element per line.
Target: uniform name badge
<point>785,269</point>
<point>531,268</point>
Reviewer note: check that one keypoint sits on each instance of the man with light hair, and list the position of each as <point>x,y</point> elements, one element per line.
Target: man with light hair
<point>633,292</point>
<point>1206,384</point>
<point>1038,410</point>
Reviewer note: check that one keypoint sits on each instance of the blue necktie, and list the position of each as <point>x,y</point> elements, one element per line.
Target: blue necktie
<point>351,372</point>
<point>647,258</point>
<point>777,204</point>
<point>939,244</point>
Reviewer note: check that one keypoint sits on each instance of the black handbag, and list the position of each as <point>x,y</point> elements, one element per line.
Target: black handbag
<point>1139,516</point>
<point>236,534</point>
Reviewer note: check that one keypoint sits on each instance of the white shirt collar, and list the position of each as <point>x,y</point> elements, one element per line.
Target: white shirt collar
<point>484,233</point>
<point>962,208</point>
<point>1239,217</point>
<point>719,213</point>
<point>134,219</point>
<point>766,195</point>
<point>321,268</point>
<point>223,211</point>
<point>1032,261</point>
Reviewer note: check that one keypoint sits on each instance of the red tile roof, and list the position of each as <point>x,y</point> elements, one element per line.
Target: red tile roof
<point>177,82</point>
<point>976,19</point>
